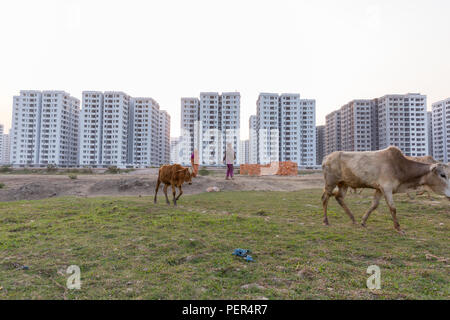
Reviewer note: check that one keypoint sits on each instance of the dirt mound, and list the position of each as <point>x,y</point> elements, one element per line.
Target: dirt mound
<point>33,187</point>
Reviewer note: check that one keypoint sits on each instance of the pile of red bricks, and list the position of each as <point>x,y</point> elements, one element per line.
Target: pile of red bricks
<point>284,168</point>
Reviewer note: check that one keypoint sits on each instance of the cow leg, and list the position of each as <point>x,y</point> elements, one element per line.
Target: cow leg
<point>157,188</point>
<point>174,192</point>
<point>165,193</point>
<point>327,193</point>
<point>375,203</point>
<point>339,196</point>
<point>181,192</point>
<point>390,202</point>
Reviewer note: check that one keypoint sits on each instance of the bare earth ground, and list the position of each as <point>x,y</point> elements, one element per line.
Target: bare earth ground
<point>139,183</point>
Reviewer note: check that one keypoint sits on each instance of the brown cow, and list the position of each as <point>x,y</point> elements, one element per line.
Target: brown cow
<point>387,171</point>
<point>424,159</point>
<point>174,175</point>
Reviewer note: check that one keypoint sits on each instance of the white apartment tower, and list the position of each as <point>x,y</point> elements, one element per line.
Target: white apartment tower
<point>285,127</point>
<point>116,109</point>
<point>175,147</point>
<point>441,130</point>
<point>91,125</point>
<point>163,138</point>
<point>402,122</point>
<point>190,109</point>
<point>253,140</point>
<point>244,152</point>
<point>44,128</point>
<point>430,132</point>
<point>356,126</point>
<point>320,144</point>
<point>267,128</point>
<point>333,132</point>
<point>208,124</point>
<point>25,129</point>
<point>145,131</point>
<point>59,129</point>
<point>5,151</point>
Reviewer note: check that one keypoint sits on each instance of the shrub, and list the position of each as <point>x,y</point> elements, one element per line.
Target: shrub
<point>2,185</point>
<point>203,172</point>
<point>112,170</point>
<point>73,176</point>
<point>51,168</point>
<point>5,168</point>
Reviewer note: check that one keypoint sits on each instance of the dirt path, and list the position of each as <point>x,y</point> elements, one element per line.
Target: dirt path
<point>32,187</point>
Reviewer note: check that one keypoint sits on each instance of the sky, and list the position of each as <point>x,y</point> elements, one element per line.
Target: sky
<point>328,50</point>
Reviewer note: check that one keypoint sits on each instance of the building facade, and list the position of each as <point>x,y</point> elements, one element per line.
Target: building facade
<point>357,126</point>
<point>333,132</point>
<point>320,144</point>
<point>6,149</point>
<point>441,130</point>
<point>402,122</point>
<point>252,140</point>
<point>44,128</point>
<point>244,152</point>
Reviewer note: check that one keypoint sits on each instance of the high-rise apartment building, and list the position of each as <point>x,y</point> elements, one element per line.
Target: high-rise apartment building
<point>44,128</point>
<point>190,110</point>
<point>285,129</point>
<point>175,146</point>
<point>59,129</point>
<point>163,138</point>
<point>115,139</point>
<point>208,124</point>
<point>441,130</point>
<point>356,126</point>
<point>402,122</point>
<point>244,152</point>
<point>252,140</point>
<point>320,144</point>
<point>333,132</point>
<point>430,132</point>
<point>5,150</point>
<point>91,129</point>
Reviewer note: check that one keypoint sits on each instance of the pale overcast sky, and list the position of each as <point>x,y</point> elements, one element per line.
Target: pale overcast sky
<point>332,51</point>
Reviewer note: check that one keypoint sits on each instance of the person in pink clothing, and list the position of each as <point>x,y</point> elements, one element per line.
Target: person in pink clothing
<point>229,158</point>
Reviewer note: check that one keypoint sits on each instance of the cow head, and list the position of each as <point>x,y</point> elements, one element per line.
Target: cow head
<point>439,179</point>
<point>186,175</point>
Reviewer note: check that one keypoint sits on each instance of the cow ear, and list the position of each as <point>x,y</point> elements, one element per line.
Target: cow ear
<point>434,167</point>
<point>180,170</point>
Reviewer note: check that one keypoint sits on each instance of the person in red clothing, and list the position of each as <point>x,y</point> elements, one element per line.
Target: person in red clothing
<point>194,162</point>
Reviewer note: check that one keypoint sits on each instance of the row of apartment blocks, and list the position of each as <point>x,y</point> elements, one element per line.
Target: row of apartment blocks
<point>112,128</point>
<point>282,130</point>
<point>399,120</point>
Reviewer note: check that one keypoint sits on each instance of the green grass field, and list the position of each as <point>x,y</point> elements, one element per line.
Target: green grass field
<point>129,248</point>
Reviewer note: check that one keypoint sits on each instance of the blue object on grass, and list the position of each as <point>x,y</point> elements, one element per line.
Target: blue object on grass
<point>248,258</point>
<point>241,252</point>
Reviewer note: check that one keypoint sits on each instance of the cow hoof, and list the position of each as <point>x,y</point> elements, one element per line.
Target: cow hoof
<point>363,225</point>
<point>325,223</point>
<point>401,232</point>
